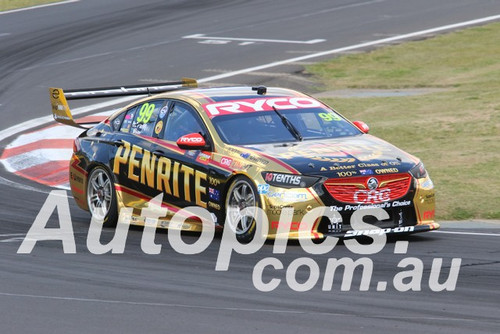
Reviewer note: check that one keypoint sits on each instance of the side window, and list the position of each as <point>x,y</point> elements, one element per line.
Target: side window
<point>117,121</point>
<point>127,120</point>
<point>145,117</point>
<point>181,121</point>
<point>161,119</point>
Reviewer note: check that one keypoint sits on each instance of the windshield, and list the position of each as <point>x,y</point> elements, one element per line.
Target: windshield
<point>267,127</point>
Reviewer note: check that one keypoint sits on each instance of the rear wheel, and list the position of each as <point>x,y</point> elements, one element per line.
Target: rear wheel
<point>240,195</point>
<point>101,196</point>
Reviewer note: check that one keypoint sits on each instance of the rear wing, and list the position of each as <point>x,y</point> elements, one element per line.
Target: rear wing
<point>59,97</point>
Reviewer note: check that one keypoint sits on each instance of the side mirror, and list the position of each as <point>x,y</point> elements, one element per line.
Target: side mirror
<point>362,126</point>
<point>192,141</point>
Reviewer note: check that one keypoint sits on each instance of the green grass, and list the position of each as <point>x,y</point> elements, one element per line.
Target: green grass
<point>455,131</point>
<point>15,4</point>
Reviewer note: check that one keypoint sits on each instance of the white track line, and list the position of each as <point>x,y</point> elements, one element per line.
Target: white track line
<point>202,36</point>
<point>470,233</point>
<point>46,119</point>
<point>39,6</point>
<point>232,309</point>
<point>123,302</point>
<point>352,47</point>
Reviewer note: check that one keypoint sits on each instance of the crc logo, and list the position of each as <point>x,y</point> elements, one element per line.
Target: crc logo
<point>226,161</point>
<point>372,196</point>
<point>372,183</point>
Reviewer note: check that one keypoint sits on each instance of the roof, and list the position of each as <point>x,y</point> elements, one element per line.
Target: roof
<point>219,94</point>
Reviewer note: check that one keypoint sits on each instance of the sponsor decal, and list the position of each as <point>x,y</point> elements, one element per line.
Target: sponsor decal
<point>380,231</point>
<point>283,179</point>
<point>214,194</point>
<point>213,181</point>
<point>55,93</point>
<point>429,198</point>
<point>386,170</point>
<point>372,196</point>
<point>225,161</point>
<point>261,104</point>
<point>233,150</point>
<point>428,215</point>
<point>400,203</point>
<point>257,160</point>
<point>158,127</point>
<point>191,154</point>
<point>335,168</point>
<point>335,225</point>
<point>56,117</point>
<point>276,209</point>
<point>213,205</point>
<point>191,139</point>
<point>75,177</point>
<point>385,205</point>
<point>332,159</point>
<point>368,165</point>
<point>204,158</point>
<point>293,226</point>
<point>238,165</point>
<point>263,189</point>
<point>289,180</point>
<point>163,112</point>
<point>347,174</point>
<point>160,173</point>
<point>287,196</point>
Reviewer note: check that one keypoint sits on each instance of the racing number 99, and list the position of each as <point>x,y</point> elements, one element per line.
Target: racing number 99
<point>146,112</point>
<point>328,117</point>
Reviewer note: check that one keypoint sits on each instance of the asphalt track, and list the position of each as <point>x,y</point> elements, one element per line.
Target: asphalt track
<point>97,43</point>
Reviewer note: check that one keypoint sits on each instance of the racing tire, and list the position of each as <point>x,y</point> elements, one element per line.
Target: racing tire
<point>241,194</point>
<point>101,196</point>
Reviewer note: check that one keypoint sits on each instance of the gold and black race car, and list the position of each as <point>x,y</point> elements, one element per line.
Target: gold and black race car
<point>226,149</point>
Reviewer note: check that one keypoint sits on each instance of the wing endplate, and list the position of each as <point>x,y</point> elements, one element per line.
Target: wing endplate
<point>60,108</point>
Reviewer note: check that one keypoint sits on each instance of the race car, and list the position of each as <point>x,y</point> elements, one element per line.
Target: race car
<point>230,148</point>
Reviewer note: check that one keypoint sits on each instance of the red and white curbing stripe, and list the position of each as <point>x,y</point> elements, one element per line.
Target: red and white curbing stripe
<point>43,155</point>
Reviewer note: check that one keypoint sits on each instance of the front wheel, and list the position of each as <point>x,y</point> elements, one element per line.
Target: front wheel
<point>101,196</point>
<point>240,195</point>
